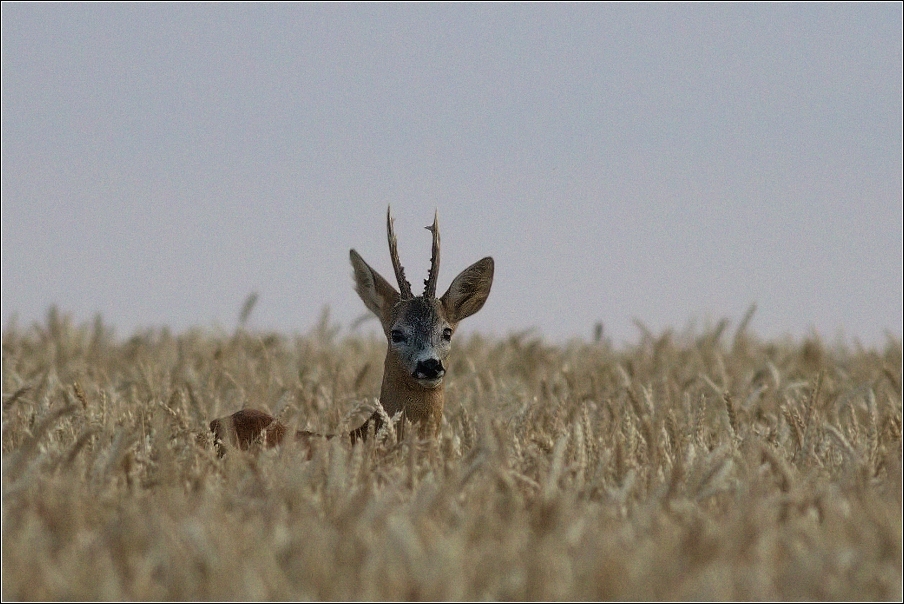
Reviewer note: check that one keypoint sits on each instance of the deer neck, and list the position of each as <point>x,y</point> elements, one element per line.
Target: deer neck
<point>401,392</point>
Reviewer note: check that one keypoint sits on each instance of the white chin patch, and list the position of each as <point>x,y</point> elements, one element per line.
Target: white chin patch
<point>430,383</point>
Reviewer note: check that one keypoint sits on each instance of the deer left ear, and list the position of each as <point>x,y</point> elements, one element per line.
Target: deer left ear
<point>469,290</point>
<point>376,293</point>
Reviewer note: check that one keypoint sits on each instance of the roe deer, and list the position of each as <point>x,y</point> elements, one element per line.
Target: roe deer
<point>418,331</point>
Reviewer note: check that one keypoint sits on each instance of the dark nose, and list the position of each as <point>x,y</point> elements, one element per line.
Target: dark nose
<point>431,369</point>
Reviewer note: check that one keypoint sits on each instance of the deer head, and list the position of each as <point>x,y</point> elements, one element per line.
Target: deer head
<point>419,329</point>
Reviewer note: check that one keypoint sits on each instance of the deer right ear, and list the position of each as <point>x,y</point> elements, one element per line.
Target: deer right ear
<point>375,291</point>
<point>469,290</point>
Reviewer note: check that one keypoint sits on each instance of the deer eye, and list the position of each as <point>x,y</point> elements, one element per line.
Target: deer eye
<point>397,336</point>
<point>447,334</point>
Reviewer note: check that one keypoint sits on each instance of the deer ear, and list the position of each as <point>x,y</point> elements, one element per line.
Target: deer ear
<point>469,290</point>
<point>375,291</point>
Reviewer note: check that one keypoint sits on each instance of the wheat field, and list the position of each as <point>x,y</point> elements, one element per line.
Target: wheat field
<point>686,466</point>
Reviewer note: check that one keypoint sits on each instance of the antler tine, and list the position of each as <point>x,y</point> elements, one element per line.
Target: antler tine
<point>430,283</point>
<point>404,286</point>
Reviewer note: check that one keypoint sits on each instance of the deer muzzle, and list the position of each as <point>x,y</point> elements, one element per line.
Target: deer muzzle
<point>429,373</point>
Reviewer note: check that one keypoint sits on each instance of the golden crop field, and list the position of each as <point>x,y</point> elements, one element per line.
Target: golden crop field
<point>702,466</point>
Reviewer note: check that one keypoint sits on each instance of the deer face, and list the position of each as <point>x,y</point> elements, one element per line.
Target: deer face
<point>421,338</point>
<point>419,329</point>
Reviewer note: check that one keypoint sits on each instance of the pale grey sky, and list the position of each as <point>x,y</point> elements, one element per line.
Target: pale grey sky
<point>673,163</point>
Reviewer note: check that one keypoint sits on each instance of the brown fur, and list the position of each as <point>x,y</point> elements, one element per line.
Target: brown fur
<point>249,427</point>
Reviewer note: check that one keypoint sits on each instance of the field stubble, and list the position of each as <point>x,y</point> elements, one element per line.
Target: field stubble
<point>687,466</point>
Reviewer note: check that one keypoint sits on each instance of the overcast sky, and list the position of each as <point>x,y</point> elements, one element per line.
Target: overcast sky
<point>669,163</point>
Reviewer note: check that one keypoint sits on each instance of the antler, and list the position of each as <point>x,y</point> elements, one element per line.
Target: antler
<point>430,283</point>
<point>404,286</point>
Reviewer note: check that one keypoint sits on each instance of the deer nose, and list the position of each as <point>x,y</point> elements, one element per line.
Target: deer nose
<point>431,369</point>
